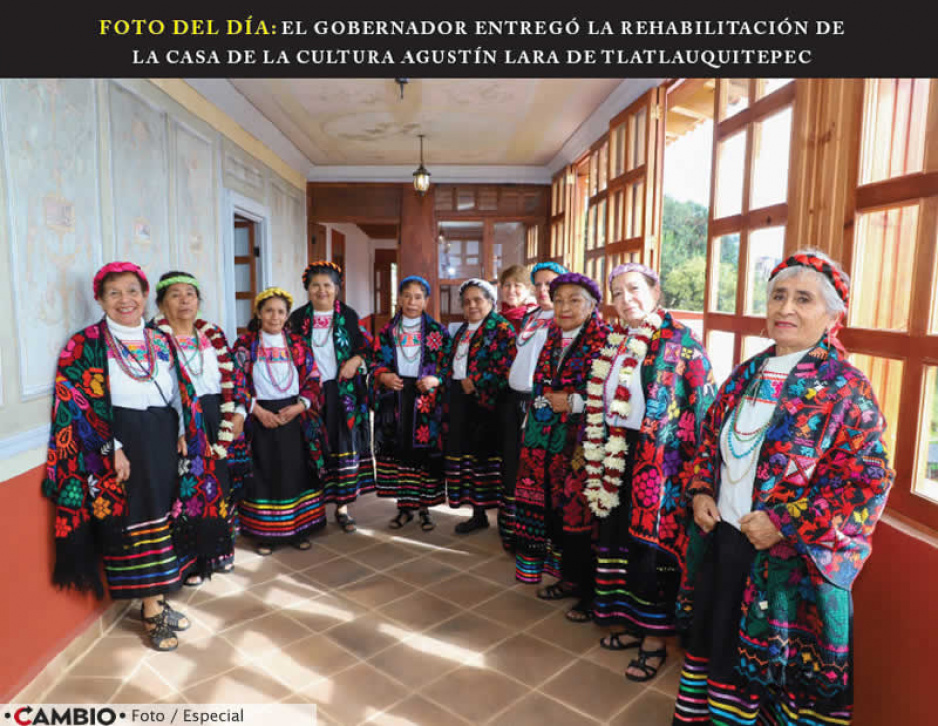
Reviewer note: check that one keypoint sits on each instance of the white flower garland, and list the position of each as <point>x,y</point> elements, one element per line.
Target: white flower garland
<point>605,456</point>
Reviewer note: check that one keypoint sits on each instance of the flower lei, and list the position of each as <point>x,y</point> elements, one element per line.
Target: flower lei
<point>225,367</point>
<point>605,459</point>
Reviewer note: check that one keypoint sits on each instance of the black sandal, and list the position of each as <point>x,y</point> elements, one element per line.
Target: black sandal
<point>193,581</point>
<point>613,641</point>
<point>160,633</point>
<point>640,663</point>
<point>174,618</point>
<point>264,550</point>
<point>403,517</point>
<point>558,591</point>
<point>426,524</point>
<point>582,612</point>
<point>303,544</point>
<point>346,522</point>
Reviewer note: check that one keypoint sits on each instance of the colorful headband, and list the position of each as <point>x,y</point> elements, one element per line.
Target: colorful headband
<point>322,266</point>
<point>117,268</point>
<point>273,292</point>
<point>575,278</point>
<point>806,259</point>
<point>552,266</point>
<point>414,278</point>
<point>633,267</point>
<point>177,280</point>
<point>482,284</point>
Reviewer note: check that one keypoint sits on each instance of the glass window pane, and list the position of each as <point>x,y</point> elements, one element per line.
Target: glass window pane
<point>243,278</point>
<point>753,345</point>
<point>885,376</point>
<point>926,481</point>
<point>465,198</point>
<point>720,346</point>
<point>725,273</point>
<point>729,177</point>
<point>460,245</point>
<point>766,247</point>
<point>243,313</point>
<point>601,224</point>
<point>242,242</point>
<point>603,166</point>
<point>894,119</point>
<point>767,86</point>
<point>509,244</point>
<point>734,96</point>
<point>619,155</point>
<point>771,140</point>
<point>594,173</point>
<point>882,269</point>
<point>634,214</point>
<point>638,127</point>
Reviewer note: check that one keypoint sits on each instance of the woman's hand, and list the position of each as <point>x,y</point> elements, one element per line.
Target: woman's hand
<point>121,466</point>
<point>427,383</point>
<point>237,425</point>
<point>268,420</point>
<point>350,367</point>
<point>558,401</point>
<point>287,414</point>
<point>391,381</point>
<point>181,447</point>
<point>467,386</point>
<point>760,530</point>
<point>706,512</point>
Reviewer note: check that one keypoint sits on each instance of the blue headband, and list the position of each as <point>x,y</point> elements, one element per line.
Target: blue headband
<point>414,278</point>
<point>552,266</point>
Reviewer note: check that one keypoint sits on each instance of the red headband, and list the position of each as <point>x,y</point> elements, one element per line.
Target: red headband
<point>321,266</point>
<point>113,268</point>
<point>836,279</point>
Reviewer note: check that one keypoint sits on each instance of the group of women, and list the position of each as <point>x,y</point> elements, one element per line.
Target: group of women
<point>737,517</point>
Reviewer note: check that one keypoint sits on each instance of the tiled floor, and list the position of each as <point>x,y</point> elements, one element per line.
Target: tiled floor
<point>380,627</point>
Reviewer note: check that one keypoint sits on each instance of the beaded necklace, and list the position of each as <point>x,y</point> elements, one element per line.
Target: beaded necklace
<point>322,341</point>
<point>122,354</point>
<point>462,348</point>
<point>278,385</point>
<point>187,361</point>
<point>746,442</point>
<point>402,333</point>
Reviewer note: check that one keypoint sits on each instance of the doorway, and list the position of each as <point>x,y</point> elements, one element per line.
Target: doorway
<point>246,262</point>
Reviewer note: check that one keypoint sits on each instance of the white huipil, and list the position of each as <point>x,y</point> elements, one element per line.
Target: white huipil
<point>738,473</point>
<point>461,356</point>
<point>275,375</point>
<point>126,392</point>
<point>202,369</point>
<point>407,345</point>
<point>530,341</point>
<point>637,394</point>
<point>322,342</point>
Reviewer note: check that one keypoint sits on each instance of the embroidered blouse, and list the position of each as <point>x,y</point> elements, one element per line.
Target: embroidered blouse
<point>272,352</point>
<point>637,401</point>
<point>530,342</point>
<point>323,345</point>
<point>407,345</point>
<point>461,356</point>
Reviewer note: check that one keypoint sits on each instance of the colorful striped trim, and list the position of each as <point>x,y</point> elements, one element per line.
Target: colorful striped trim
<point>412,486</point>
<point>271,519</point>
<point>150,565</point>
<point>474,481</point>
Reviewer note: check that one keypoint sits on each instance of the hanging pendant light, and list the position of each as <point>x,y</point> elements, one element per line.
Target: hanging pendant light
<point>421,176</point>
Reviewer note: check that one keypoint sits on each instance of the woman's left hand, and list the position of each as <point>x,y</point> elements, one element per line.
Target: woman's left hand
<point>427,383</point>
<point>467,386</point>
<point>181,446</point>
<point>350,367</point>
<point>287,414</point>
<point>760,530</point>
<point>237,425</point>
<point>557,400</point>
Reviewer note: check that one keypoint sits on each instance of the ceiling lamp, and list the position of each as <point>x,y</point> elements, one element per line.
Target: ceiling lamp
<point>421,176</point>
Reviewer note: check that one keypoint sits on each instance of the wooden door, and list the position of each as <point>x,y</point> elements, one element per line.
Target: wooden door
<point>246,254</point>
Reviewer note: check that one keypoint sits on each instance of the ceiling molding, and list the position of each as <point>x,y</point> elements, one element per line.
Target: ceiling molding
<point>230,100</point>
<point>465,174</point>
<point>598,122</point>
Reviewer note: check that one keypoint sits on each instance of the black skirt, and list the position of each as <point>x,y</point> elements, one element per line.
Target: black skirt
<point>349,462</point>
<point>149,561</point>
<point>473,461</point>
<point>511,413</point>
<point>284,502</point>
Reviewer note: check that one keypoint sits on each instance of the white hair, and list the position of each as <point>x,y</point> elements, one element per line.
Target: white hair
<point>832,300</point>
<point>486,287</point>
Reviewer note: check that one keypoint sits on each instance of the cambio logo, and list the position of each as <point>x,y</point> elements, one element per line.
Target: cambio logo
<point>27,716</point>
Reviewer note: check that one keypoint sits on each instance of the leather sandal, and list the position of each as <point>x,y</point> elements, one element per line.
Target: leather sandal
<point>303,544</point>
<point>613,641</point>
<point>426,524</point>
<point>403,517</point>
<point>558,591</point>
<point>582,612</point>
<point>640,663</point>
<point>174,618</point>
<point>160,634</point>
<point>345,521</point>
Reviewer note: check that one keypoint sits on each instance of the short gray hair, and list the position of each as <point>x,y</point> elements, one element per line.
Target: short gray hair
<point>484,285</point>
<point>832,300</point>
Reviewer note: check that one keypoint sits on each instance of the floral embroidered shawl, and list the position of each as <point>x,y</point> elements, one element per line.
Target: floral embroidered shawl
<point>90,504</point>
<point>491,352</point>
<point>428,407</point>
<point>822,477</point>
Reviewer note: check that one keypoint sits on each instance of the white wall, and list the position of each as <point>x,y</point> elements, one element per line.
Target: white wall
<point>359,265</point>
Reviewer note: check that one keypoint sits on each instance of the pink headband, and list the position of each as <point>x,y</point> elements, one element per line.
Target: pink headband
<point>633,267</point>
<point>117,268</point>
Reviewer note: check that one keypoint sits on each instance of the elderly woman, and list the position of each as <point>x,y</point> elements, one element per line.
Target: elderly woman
<point>203,352</point>
<point>123,413</point>
<point>484,347</point>
<point>284,503</point>
<point>790,480</point>
<point>532,335</point>
<point>515,295</point>
<point>410,358</point>
<point>545,507</point>
<point>648,394</point>
<point>342,350</point>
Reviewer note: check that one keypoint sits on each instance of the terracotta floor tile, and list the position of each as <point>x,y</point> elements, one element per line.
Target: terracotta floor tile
<point>669,678</point>
<point>113,657</point>
<point>193,662</point>
<point>344,543</point>
<point>306,661</point>
<point>417,711</point>
<point>514,610</point>
<point>256,637</point>
<point>241,685</point>
<point>469,631</point>
<point>651,708</point>
<point>465,589</point>
<point>592,689</point>
<point>498,569</point>
<point>418,661</point>
<point>73,689</point>
<point>356,694</point>
<point>527,659</point>
<point>217,586</point>
<point>367,635</point>
<point>536,709</point>
<point>384,556</point>
<point>338,572</point>
<point>251,572</point>
<point>294,559</point>
<point>324,612</point>
<point>478,693</point>
<point>460,554</point>
<point>420,610</point>
<point>144,686</point>
<point>285,590</point>
<point>578,638</point>
<point>422,572</point>
<point>227,612</point>
<point>375,591</point>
